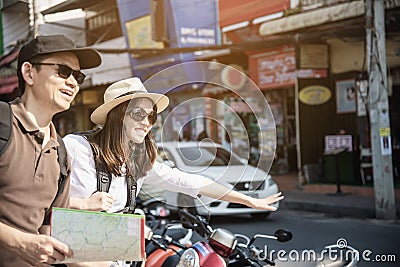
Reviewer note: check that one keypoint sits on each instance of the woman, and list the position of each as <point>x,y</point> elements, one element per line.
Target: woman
<point>125,146</point>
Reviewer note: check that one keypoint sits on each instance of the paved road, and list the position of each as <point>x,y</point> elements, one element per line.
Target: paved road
<point>315,230</point>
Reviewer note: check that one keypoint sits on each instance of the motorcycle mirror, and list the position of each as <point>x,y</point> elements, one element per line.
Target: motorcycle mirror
<point>283,235</point>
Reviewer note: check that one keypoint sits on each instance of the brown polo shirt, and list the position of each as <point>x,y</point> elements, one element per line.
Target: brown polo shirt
<point>28,178</point>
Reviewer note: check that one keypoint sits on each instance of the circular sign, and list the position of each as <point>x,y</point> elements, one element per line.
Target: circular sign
<point>232,76</point>
<point>315,95</point>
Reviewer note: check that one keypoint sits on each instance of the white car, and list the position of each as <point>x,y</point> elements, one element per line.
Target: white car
<point>215,162</point>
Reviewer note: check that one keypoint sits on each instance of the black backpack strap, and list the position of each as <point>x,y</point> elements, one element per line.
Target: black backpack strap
<point>63,162</point>
<point>131,186</point>
<point>104,179</point>
<point>5,125</point>
<point>103,176</point>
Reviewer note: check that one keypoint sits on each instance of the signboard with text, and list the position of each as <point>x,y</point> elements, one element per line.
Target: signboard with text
<point>274,68</point>
<point>188,25</point>
<point>277,68</point>
<point>194,24</point>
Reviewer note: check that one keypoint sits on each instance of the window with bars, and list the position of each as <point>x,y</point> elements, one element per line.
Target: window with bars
<point>102,22</point>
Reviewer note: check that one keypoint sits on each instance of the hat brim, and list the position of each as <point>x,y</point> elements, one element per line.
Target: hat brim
<point>99,115</point>
<point>88,57</point>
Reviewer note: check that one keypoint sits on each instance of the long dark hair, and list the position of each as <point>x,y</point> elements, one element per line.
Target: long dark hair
<point>108,145</point>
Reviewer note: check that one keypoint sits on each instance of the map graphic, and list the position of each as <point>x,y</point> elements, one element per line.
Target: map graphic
<point>99,236</point>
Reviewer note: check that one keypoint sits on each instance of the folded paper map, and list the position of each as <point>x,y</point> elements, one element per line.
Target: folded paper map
<point>99,236</point>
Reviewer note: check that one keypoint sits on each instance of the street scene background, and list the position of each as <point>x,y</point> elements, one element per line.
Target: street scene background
<point>305,90</point>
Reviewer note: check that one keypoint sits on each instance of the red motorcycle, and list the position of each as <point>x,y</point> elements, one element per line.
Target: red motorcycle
<point>221,248</point>
<point>166,248</point>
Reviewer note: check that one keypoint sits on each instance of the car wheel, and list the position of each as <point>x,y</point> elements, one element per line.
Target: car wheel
<point>260,216</point>
<point>187,203</point>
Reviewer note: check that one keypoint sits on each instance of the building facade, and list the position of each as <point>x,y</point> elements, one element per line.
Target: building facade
<point>307,57</point>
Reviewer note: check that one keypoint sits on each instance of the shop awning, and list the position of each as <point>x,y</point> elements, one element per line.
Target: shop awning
<point>69,5</point>
<point>9,58</point>
<point>8,84</point>
<point>313,18</point>
<point>8,79</point>
<point>238,11</point>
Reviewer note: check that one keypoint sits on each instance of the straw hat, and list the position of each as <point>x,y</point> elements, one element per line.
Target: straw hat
<point>122,91</point>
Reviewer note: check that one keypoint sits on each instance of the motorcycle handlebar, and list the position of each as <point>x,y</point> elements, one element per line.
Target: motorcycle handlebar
<point>198,223</point>
<point>187,215</point>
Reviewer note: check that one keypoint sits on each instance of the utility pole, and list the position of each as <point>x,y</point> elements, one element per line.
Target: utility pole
<point>33,23</point>
<point>385,207</point>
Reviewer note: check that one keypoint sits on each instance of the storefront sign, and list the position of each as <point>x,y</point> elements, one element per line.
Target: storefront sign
<point>274,68</point>
<point>277,68</point>
<point>194,24</point>
<point>314,56</point>
<point>315,95</point>
<point>188,25</point>
<point>139,33</point>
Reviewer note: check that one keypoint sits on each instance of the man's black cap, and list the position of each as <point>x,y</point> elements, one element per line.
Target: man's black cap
<point>42,45</point>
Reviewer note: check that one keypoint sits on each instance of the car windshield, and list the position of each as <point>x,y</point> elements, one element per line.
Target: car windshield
<point>207,156</point>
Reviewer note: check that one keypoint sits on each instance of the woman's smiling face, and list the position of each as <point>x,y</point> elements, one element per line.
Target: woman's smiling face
<point>137,130</point>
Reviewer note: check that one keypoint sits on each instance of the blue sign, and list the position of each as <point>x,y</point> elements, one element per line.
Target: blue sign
<point>186,26</point>
<point>194,23</point>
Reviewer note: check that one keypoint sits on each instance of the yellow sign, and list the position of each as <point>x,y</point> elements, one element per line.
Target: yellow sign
<point>384,131</point>
<point>139,34</point>
<point>315,95</point>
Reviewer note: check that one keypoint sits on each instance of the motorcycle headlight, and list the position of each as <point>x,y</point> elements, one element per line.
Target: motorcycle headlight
<point>223,242</point>
<point>189,259</point>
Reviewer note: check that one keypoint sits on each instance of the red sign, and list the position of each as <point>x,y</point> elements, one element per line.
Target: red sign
<point>277,68</point>
<point>235,11</point>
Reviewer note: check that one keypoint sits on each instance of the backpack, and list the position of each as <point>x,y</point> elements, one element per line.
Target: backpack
<point>6,126</point>
<point>104,178</point>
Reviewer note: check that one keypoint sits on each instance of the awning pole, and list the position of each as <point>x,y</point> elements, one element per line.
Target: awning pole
<point>297,115</point>
<point>299,175</point>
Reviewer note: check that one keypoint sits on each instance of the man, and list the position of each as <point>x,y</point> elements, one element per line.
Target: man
<point>49,77</point>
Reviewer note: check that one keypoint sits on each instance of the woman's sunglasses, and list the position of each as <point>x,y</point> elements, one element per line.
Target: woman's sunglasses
<point>139,114</point>
<point>65,71</point>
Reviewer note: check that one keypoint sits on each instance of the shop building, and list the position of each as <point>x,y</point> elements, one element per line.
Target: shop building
<point>303,55</point>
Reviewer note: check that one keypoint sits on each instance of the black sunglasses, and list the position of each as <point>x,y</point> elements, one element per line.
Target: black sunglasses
<point>65,71</point>
<point>139,114</point>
